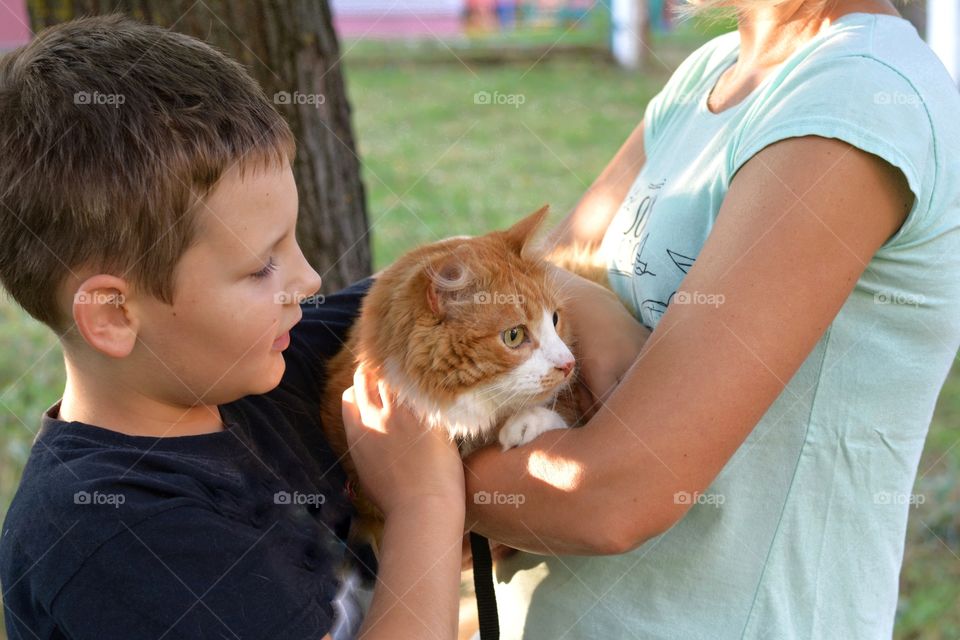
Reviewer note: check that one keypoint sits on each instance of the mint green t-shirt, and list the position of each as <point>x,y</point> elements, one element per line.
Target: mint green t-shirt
<point>802,533</point>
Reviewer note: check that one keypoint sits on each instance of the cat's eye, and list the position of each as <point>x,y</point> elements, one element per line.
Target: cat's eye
<point>556,318</point>
<point>513,338</point>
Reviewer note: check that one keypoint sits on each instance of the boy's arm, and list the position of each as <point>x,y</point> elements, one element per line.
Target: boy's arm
<point>417,592</point>
<point>416,478</point>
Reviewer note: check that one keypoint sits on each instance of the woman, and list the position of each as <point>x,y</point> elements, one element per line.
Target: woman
<point>747,474</point>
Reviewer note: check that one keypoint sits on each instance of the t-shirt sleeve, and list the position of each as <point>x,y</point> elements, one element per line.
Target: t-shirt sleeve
<point>857,99</point>
<point>189,573</point>
<point>319,335</point>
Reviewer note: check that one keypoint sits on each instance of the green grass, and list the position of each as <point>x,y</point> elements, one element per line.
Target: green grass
<point>438,164</point>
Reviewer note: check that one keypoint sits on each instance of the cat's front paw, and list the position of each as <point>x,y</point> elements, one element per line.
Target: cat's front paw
<point>523,427</point>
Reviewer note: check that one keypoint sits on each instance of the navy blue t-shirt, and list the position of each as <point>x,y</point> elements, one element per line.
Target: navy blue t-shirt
<point>234,534</point>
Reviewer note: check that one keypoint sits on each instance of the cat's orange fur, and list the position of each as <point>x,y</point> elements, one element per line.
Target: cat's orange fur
<point>425,328</point>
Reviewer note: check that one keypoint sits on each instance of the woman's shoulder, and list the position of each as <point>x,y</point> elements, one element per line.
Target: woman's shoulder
<point>868,46</point>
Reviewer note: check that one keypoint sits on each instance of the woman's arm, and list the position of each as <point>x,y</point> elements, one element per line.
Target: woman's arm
<point>798,226</point>
<point>588,221</point>
<point>416,478</point>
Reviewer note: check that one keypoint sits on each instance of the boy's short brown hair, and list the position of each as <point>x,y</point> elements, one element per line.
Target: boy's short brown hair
<point>112,132</point>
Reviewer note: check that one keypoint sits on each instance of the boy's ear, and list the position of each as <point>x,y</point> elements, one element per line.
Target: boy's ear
<point>102,317</point>
<point>519,237</point>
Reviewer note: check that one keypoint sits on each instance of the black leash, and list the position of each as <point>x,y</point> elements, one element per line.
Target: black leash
<point>483,585</point>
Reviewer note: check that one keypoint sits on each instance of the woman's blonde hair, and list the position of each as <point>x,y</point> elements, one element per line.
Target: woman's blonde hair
<point>685,9</point>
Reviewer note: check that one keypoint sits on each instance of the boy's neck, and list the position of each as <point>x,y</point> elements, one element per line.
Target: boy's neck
<point>136,416</point>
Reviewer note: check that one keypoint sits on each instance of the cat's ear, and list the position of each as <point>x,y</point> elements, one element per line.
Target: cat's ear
<point>519,237</point>
<point>446,281</point>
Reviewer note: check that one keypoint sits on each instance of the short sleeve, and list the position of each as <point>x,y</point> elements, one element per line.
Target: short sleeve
<point>190,574</point>
<point>857,99</point>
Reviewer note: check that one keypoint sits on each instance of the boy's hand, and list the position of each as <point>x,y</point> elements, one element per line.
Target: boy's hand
<point>401,462</point>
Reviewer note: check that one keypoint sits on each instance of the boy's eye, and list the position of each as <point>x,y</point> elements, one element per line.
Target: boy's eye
<point>267,269</point>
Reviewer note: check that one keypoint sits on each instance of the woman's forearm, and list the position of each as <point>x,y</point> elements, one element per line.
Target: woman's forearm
<point>418,582</point>
<point>557,495</point>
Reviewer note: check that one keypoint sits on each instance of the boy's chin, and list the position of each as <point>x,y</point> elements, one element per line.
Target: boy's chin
<point>272,374</point>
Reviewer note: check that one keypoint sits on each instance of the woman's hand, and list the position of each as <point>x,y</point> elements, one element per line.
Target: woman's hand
<point>400,461</point>
<point>609,338</point>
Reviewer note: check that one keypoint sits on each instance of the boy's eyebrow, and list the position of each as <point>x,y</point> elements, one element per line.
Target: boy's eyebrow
<point>265,253</point>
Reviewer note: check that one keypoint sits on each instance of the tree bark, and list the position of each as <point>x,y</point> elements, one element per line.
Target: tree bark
<point>290,48</point>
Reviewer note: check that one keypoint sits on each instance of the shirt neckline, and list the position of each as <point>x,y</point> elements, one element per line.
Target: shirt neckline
<point>731,59</point>
<point>225,443</point>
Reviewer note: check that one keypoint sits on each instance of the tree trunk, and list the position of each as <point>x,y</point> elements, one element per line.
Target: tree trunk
<point>290,47</point>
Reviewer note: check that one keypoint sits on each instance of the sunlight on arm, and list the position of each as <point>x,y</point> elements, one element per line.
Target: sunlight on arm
<point>565,475</point>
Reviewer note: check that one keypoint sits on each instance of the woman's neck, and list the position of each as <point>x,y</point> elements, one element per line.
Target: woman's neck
<point>769,35</point>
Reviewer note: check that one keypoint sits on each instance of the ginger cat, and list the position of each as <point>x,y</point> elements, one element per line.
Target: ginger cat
<point>469,333</point>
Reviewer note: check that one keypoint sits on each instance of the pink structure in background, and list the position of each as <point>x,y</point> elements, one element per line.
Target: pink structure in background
<point>397,19</point>
<point>445,18</point>
<point>14,24</point>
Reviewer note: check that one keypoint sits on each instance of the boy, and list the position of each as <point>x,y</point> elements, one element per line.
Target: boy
<point>182,487</point>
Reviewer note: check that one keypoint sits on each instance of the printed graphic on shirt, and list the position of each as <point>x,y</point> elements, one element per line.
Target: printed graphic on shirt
<point>683,262</point>
<point>642,269</point>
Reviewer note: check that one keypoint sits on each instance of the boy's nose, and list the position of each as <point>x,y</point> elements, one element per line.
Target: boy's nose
<point>312,283</point>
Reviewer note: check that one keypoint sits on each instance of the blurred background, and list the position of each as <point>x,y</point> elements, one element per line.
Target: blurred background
<point>421,119</point>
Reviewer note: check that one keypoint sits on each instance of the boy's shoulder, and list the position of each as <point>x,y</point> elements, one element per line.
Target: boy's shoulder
<point>98,510</point>
<point>82,485</point>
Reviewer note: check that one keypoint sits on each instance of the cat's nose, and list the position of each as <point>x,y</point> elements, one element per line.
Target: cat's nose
<point>565,367</point>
